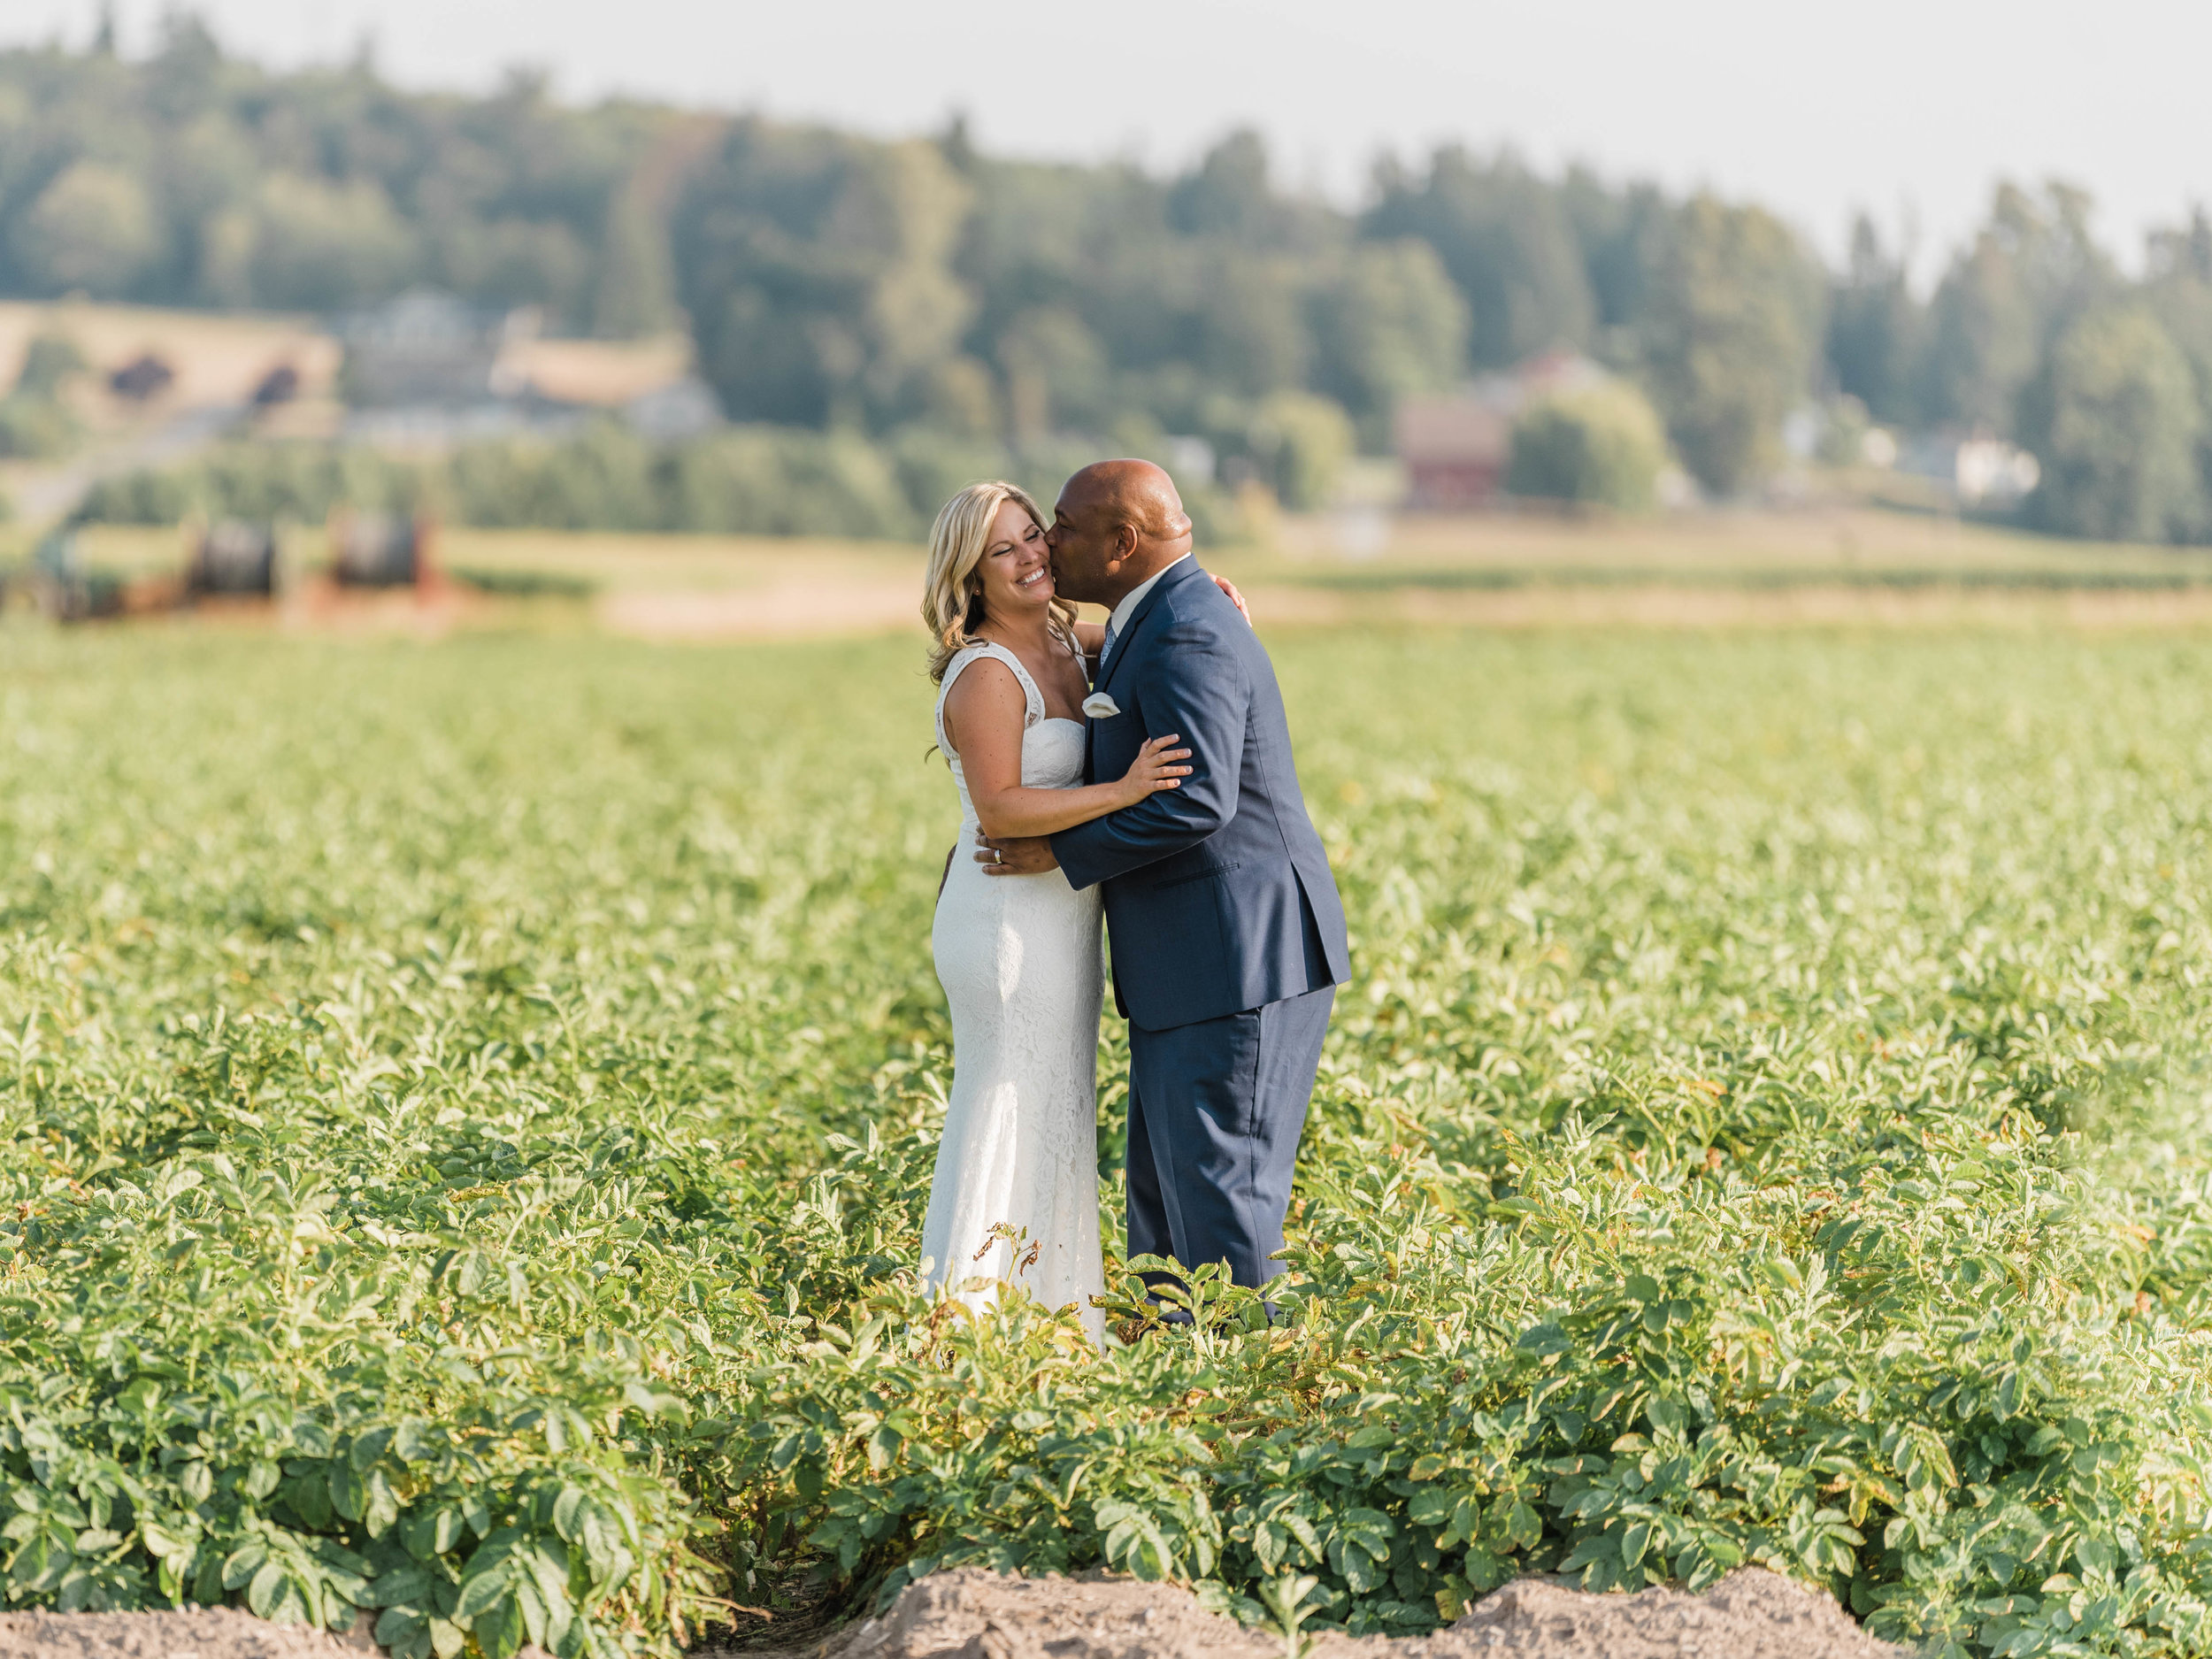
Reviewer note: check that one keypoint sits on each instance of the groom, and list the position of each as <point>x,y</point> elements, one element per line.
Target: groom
<point>1228,936</point>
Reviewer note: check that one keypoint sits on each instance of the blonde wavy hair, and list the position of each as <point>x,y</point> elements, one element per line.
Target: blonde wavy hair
<point>952,594</point>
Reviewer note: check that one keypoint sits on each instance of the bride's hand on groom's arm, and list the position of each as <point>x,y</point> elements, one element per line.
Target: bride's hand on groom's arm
<point>1155,770</point>
<point>1014,855</point>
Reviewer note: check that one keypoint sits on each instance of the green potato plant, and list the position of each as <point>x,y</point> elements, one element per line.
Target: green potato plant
<point>469,1109</point>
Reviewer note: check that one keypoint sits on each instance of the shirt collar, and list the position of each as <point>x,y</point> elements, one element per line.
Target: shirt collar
<point>1135,598</point>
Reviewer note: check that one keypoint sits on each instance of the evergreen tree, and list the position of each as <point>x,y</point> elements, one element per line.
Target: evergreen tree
<point>2030,270</point>
<point>1876,330</point>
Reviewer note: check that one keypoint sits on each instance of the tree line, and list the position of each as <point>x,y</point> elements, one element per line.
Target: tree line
<point>850,285</point>
<point>2035,334</point>
<point>753,480</point>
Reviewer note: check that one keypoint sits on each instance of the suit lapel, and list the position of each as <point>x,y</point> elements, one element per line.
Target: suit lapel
<point>1180,573</point>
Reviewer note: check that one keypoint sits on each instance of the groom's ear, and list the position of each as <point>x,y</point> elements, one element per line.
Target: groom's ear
<point>1123,546</point>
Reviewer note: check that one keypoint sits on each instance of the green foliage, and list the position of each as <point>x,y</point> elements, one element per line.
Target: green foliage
<point>34,422</point>
<point>2118,436</point>
<point>1506,237</point>
<point>35,428</point>
<point>1877,330</point>
<point>188,176</point>
<point>1307,441</point>
<point>49,359</point>
<point>2180,295</point>
<point>1602,446</point>
<point>92,228</point>
<point>300,482</point>
<point>287,1326</point>
<point>1394,325</point>
<point>469,1110</point>
<point>834,282</point>
<point>816,270</point>
<point>1056,372</point>
<point>302,242</point>
<point>749,480</point>
<point>768,481</point>
<point>2032,269</point>
<point>1735,313</point>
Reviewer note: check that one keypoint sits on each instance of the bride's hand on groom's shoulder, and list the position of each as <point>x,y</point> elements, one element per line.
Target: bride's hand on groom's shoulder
<point>1014,855</point>
<point>1235,598</point>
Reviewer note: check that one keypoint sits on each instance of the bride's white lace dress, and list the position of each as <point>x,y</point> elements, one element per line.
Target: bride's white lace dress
<point>1019,959</point>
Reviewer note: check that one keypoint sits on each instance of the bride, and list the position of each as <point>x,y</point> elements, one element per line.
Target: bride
<point>1015,1197</point>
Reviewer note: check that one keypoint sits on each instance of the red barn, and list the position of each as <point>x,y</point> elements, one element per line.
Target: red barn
<point>1455,449</point>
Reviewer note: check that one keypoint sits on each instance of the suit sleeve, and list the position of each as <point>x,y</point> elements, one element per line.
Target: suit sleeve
<point>1203,696</point>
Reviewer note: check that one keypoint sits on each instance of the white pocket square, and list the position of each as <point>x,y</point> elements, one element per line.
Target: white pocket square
<point>1099,706</point>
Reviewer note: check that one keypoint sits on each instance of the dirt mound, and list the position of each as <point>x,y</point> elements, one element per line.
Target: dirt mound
<point>1748,1614</point>
<point>196,1632</point>
<point>973,1614</point>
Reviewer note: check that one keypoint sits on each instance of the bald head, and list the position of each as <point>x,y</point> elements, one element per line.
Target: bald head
<point>1132,493</point>
<point>1116,524</point>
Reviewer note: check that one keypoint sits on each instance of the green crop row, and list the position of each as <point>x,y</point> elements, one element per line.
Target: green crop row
<point>469,1109</point>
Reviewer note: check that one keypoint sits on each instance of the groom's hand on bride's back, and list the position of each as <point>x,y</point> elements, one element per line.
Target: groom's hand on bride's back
<point>1014,855</point>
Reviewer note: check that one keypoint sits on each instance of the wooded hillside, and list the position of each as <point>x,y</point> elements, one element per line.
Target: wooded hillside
<point>832,280</point>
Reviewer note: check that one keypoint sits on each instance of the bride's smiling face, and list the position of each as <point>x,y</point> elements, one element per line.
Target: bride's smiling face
<point>1017,567</point>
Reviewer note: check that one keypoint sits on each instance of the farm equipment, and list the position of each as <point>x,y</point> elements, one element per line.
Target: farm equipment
<point>374,549</point>
<point>235,558</point>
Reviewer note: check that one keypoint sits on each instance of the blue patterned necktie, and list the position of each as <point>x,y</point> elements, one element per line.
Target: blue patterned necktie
<point>1105,648</point>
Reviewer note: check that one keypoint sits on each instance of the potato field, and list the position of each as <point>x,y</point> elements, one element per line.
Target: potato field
<point>469,1107</point>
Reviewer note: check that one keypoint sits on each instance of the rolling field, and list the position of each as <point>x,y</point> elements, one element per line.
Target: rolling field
<point>469,1107</point>
<point>1851,566</point>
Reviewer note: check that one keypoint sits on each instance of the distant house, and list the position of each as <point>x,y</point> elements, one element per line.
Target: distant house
<point>1980,471</point>
<point>670,414</point>
<point>427,347</point>
<point>429,368</point>
<point>1455,449</point>
<point>1990,469</point>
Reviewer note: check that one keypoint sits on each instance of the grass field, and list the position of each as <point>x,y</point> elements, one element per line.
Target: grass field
<point>468,1106</point>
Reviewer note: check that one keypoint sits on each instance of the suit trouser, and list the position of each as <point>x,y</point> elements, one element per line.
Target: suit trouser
<point>1216,1111</point>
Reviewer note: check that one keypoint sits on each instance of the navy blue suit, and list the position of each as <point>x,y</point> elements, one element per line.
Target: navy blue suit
<point>1227,933</point>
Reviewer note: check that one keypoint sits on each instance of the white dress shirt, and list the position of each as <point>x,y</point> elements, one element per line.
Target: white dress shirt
<point>1119,621</point>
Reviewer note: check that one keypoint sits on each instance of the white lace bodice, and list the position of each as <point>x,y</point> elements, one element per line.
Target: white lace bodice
<point>1052,748</point>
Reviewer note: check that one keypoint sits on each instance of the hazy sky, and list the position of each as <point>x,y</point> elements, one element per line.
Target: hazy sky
<point>1909,108</point>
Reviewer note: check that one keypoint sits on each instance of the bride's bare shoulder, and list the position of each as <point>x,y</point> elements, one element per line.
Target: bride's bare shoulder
<point>984,693</point>
<point>980,671</point>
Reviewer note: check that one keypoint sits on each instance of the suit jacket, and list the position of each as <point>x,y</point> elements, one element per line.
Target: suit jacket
<point>1207,887</point>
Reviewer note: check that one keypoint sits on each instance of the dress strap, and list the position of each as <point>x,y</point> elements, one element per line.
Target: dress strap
<point>1033,699</point>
